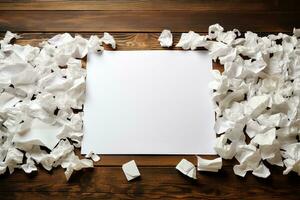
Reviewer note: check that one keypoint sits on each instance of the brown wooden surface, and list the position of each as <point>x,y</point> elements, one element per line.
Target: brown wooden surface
<point>136,25</point>
<point>148,16</point>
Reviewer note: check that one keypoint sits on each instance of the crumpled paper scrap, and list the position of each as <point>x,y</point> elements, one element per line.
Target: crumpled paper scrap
<point>187,168</point>
<point>191,40</point>
<point>93,156</point>
<point>39,133</point>
<point>130,170</point>
<point>72,162</point>
<point>166,38</point>
<point>40,87</point>
<point>108,39</point>
<point>209,165</point>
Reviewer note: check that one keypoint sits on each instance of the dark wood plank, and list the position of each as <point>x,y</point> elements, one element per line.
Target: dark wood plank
<point>156,182</point>
<point>121,5</point>
<point>79,195</point>
<point>145,21</point>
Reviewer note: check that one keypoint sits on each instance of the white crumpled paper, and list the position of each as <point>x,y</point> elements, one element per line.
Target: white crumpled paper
<point>93,156</point>
<point>191,40</point>
<point>41,99</point>
<point>108,39</point>
<point>256,97</point>
<point>209,165</point>
<point>130,170</point>
<point>165,39</point>
<point>187,168</point>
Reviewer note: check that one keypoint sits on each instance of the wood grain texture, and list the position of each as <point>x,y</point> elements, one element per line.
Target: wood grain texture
<point>145,21</point>
<point>136,26</point>
<point>155,182</point>
<point>121,5</point>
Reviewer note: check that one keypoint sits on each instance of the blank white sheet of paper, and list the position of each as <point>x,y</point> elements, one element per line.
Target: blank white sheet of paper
<point>148,102</point>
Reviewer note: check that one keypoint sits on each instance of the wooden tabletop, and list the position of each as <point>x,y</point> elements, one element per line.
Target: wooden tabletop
<point>136,25</point>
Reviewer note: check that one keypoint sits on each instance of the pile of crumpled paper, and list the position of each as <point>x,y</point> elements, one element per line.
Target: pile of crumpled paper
<point>41,90</point>
<point>256,100</point>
